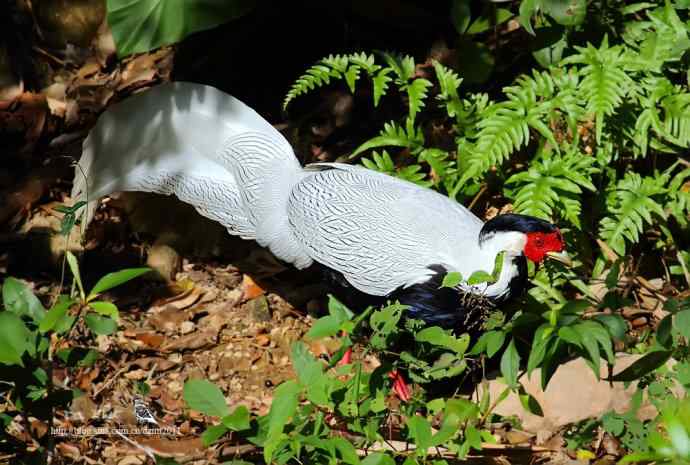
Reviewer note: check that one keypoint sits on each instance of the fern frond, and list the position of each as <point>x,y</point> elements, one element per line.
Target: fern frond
<point>553,182</point>
<point>317,76</point>
<point>402,65</point>
<point>395,135</point>
<point>666,112</point>
<point>604,79</point>
<point>380,82</point>
<point>678,204</point>
<point>449,82</point>
<point>630,206</point>
<point>347,67</point>
<point>417,92</point>
<point>384,164</point>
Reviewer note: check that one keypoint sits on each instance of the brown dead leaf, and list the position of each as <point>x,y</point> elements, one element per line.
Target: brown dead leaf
<point>153,340</point>
<point>169,319</point>
<point>133,460</point>
<point>83,409</point>
<point>180,301</point>
<point>86,377</point>
<point>68,450</point>
<point>518,437</point>
<point>146,363</point>
<point>167,400</point>
<point>140,70</point>
<point>136,374</point>
<point>607,251</point>
<point>196,340</point>
<point>250,288</point>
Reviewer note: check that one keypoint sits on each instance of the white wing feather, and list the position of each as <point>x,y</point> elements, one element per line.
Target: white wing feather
<point>219,155</point>
<point>382,233</point>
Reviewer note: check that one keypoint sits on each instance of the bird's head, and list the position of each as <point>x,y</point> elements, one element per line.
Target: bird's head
<point>535,238</point>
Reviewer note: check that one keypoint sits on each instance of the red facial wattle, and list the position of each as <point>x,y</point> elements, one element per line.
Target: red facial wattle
<point>539,244</point>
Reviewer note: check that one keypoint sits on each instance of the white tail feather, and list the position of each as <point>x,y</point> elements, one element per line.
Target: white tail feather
<point>204,146</point>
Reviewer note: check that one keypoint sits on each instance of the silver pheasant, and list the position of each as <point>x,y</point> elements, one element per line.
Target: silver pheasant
<point>381,234</point>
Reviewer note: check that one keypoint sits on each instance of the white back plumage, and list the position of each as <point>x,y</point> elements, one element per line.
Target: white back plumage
<point>219,155</point>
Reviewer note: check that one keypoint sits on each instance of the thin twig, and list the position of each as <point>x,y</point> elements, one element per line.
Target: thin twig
<point>476,197</point>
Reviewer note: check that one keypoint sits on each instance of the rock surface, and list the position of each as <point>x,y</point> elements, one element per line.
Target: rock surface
<point>573,394</point>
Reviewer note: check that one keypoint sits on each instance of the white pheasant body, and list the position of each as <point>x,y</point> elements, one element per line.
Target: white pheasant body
<point>212,151</point>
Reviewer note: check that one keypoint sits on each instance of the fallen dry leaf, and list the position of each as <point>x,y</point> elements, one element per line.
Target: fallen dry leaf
<point>250,288</point>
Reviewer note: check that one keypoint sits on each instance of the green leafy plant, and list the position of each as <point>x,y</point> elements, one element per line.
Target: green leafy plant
<point>35,340</point>
<point>142,25</point>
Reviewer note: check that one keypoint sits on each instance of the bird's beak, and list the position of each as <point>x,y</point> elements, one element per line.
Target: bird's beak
<point>562,257</point>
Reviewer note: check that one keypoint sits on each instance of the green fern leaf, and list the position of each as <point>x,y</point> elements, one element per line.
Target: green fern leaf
<point>380,82</point>
<point>417,92</point>
<point>604,79</point>
<point>449,83</point>
<point>384,164</point>
<point>402,66</point>
<point>351,76</point>
<point>366,62</point>
<point>678,203</point>
<point>394,135</point>
<point>630,206</point>
<point>501,133</point>
<point>315,77</point>
<point>553,182</point>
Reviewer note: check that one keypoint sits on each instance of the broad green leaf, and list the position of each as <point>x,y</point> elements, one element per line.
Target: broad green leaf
<point>461,15</point>
<point>213,433</point>
<point>529,403</point>
<point>484,23</point>
<point>115,279</point>
<point>566,12</point>
<point>283,407</point>
<point>473,437</point>
<point>494,342</point>
<point>589,342</point>
<point>378,458</point>
<point>101,325</point>
<point>439,337</point>
<point>527,10</point>
<point>142,25</point>
<point>451,279</point>
<point>549,45</point>
<point>479,277</point>
<point>205,397</point>
<point>681,322</point>
<point>106,309</point>
<point>420,430</point>
<point>664,335</point>
<point>615,324</point>
<point>338,309</point>
<point>324,327</point>
<point>643,366</point>
<point>461,408</point>
<point>310,374</point>
<point>348,452</point>
<point>448,430</point>
<point>74,268</point>
<point>78,356</point>
<point>15,339</point>
<point>510,364</point>
<point>20,300</point>
<point>56,315</point>
<point>237,420</point>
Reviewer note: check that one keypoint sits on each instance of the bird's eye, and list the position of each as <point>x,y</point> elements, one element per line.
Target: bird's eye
<point>539,242</point>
